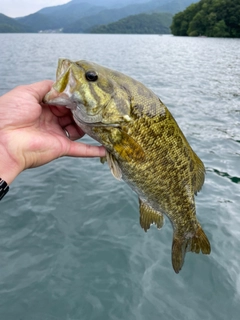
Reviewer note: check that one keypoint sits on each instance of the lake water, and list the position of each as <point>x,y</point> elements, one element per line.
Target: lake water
<point>71,247</point>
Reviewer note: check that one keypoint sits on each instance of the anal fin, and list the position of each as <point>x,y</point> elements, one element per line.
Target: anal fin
<point>149,216</point>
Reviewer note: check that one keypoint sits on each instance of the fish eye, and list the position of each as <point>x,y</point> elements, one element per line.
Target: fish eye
<point>91,75</point>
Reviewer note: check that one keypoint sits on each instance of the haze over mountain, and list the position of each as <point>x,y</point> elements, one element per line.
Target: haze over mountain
<point>85,24</point>
<point>10,25</point>
<point>58,17</point>
<point>79,16</point>
<point>110,3</point>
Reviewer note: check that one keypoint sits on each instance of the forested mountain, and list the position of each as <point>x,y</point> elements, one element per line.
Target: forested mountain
<point>211,18</point>
<point>155,23</point>
<point>58,17</point>
<point>112,15</point>
<point>82,15</point>
<point>110,3</point>
<point>8,25</point>
<point>106,16</point>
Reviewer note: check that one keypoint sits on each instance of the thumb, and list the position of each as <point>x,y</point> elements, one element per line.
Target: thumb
<point>40,89</point>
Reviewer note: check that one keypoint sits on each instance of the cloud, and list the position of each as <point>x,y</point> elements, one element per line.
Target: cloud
<point>17,8</point>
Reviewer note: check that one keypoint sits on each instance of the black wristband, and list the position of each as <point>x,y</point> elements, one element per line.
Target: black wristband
<point>3,188</point>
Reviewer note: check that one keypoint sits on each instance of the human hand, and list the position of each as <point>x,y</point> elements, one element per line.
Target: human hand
<point>32,134</point>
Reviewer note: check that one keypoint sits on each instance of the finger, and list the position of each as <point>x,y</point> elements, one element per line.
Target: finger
<point>80,131</point>
<point>66,120</point>
<point>78,149</point>
<point>60,111</point>
<point>73,132</point>
<point>39,89</point>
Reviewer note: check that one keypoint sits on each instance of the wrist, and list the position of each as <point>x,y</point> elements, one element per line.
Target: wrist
<point>4,188</point>
<point>9,168</point>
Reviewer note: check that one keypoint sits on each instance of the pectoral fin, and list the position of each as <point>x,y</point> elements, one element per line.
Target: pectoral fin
<point>148,216</point>
<point>114,167</point>
<point>103,159</point>
<point>127,148</point>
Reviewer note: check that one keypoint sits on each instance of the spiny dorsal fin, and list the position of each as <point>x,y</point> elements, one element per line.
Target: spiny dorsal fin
<point>197,169</point>
<point>198,174</point>
<point>148,216</point>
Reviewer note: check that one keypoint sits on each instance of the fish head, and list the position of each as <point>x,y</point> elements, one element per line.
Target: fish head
<point>94,93</point>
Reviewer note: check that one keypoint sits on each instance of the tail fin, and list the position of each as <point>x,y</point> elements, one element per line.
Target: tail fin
<point>180,246</point>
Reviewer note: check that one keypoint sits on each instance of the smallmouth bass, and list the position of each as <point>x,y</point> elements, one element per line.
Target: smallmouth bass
<point>145,147</point>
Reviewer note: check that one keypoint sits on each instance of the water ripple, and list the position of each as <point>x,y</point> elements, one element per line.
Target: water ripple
<point>71,244</point>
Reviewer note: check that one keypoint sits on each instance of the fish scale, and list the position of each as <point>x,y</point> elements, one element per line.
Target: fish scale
<point>145,147</point>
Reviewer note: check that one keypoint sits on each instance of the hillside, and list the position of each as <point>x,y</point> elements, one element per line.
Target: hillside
<point>58,17</point>
<point>62,16</point>
<point>112,15</point>
<point>9,25</point>
<point>80,16</point>
<point>110,3</point>
<point>174,6</point>
<point>211,18</point>
<point>155,23</point>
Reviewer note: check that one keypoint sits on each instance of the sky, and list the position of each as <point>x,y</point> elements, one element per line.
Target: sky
<point>20,8</point>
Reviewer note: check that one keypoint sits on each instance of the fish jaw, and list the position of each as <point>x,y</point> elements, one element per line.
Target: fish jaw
<point>62,99</point>
<point>62,92</point>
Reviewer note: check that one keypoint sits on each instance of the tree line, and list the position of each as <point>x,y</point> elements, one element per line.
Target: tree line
<point>155,23</point>
<point>211,18</point>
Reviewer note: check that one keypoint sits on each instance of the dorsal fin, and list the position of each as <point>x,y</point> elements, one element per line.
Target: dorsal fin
<point>198,174</point>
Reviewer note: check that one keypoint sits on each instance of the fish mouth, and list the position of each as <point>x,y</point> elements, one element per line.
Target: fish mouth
<point>53,97</point>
